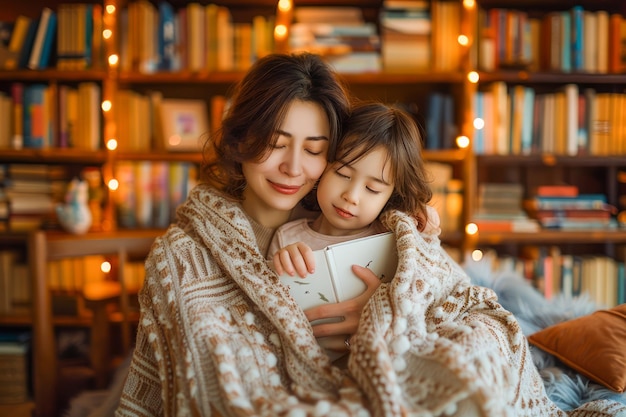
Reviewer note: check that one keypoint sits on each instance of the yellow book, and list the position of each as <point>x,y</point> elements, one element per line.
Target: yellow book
<point>18,38</point>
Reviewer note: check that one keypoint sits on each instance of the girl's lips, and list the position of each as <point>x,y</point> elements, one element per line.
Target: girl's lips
<point>285,189</point>
<point>343,213</point>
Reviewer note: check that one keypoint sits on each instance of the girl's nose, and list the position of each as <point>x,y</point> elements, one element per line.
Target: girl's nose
<point>351,195</point>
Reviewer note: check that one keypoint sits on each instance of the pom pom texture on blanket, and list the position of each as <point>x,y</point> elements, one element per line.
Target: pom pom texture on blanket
<point>218,332</point>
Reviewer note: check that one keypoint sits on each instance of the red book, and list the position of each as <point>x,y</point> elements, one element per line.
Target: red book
<point>557,191</point>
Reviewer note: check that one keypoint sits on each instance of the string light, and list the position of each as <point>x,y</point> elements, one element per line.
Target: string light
<point>113,184</point>
<point>473,77</point>
<point>479,123</point>
<point>112,144</point>
<point>105,267</point>
<point>477,255</point>
<point>462,141</point>
<point>471,229</point>
<point>106,105</point>
<point>284,5</point>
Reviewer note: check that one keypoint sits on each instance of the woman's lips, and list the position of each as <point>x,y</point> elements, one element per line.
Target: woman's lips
<point>285,189</point>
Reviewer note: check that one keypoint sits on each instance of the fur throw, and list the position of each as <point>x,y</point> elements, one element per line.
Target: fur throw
<point>219,333</point>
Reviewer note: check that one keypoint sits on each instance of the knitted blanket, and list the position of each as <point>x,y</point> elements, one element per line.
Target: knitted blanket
<point>220,334</point>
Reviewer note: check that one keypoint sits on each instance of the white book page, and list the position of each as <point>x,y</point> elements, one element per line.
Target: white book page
<point>377,253</point>
<point>315,289</point>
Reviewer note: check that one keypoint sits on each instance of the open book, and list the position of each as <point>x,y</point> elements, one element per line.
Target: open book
<point>333,279</point>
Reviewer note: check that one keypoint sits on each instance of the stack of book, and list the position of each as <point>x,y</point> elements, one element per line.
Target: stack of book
<point>32,192</point>
<point>563,207</point>
<point>500,209</point>
<point>405,32</point>
<point>340,34</point>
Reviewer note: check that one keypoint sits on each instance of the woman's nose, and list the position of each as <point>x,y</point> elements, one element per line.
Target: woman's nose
<point>292,165</point>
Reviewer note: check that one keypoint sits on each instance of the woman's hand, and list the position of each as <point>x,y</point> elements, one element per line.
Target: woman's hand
<point>349,310</point>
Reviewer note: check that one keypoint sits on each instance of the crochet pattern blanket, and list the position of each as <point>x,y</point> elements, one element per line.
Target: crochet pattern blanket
<point>218,332</point>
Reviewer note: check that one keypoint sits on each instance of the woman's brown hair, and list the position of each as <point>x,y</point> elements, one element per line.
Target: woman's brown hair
<point>258,107</point>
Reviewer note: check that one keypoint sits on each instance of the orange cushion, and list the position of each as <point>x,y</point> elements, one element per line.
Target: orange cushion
<point>594,345</point>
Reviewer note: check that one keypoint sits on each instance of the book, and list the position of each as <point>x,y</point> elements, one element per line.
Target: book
<point>17,40</point>
<point>44,38</point>
<point>333,280</point>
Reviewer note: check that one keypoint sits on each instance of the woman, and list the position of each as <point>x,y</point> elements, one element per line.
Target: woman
<point>279,133</point>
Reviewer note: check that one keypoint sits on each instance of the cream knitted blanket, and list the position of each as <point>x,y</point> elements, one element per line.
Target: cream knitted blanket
<point>220,335</point>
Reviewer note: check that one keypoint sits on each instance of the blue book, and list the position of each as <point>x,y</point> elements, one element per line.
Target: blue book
<point>528,120</point>
<point>28,44</point>
<point>166,37</point>
<point>88,34</point>
<point>582,201</point>
<point>48,42</point>
<point>433,121</point>
<point>448,125</point>
<point>566,44</point>
<point>577,38</point>
<point>35,127</point>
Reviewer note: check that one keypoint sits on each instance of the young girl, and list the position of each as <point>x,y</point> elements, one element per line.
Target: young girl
<point>379,166</point>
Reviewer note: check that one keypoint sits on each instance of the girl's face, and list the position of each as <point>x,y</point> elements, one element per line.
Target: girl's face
<point>276,184</point>
<point>352,196</point>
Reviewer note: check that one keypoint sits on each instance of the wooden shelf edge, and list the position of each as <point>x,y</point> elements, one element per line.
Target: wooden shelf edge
<point>553,236</point>
<point>48,75</point>
<point>374,78</point>
<point>523,76</point>
<point>551,160</point>
<point>53,155</point>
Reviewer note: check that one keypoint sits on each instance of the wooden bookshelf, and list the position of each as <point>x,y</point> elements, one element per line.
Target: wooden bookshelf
<point>471,167</point>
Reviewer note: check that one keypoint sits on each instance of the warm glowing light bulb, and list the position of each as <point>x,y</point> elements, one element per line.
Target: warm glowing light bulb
<point>463,40</point>
<point>113,184</point>
<point>110,9</point>
<point>106,105</point>
<point>477,255</point>
<point>462,142</point>
<point>479,123</point>
<point>284,5</point>
<point>469,4</point>
<point>471,229</point>
<point>280,31</point>
<point>113,59</point>
<point>473,77</point>
<point>105,267</point>
<point>107,33</point>
<point>112,144</point>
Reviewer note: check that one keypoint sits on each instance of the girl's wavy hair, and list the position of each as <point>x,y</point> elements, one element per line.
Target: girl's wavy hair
<point>257,109</point>
<point>372,125</point>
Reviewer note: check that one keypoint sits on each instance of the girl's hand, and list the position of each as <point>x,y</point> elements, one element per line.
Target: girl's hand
<point>297,257</point>
<point>349,310</point>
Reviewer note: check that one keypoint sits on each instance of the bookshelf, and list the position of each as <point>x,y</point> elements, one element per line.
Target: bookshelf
<point>575,140</point>
<point>141,75</point>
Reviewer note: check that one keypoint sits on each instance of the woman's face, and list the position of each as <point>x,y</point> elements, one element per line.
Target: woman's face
<point>277,183</point>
